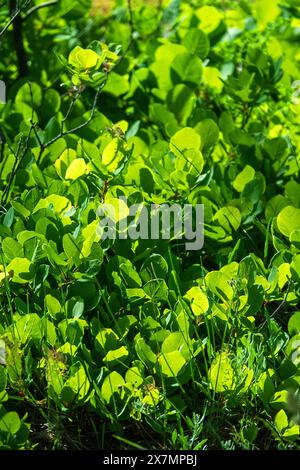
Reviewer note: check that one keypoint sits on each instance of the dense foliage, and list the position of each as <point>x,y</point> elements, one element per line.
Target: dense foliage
<point>122,343</point>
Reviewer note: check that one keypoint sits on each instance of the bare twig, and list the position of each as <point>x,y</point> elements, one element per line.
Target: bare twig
<point>13,15</point>
<point>131,24</point>
<point>75,129</point>
<point>12,19</point>
<point>16,166</point>
<point>38,7</point>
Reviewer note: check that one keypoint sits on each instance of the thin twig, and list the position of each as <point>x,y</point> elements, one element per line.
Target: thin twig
<point>280,305</point>
<point>130,10</point>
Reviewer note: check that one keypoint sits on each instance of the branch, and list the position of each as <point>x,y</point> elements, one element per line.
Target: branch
<point>75,129</point>
<point>131,24</point>
<point>12,19</point>
<point>16,12</point>
<point>16,166</point>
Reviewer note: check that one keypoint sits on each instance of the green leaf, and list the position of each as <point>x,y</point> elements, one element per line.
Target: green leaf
<point>295,267</point>
<point>112,156</point>
<point>177,342</point>
<point>144,352</point>
<point>210,18</point>
<point>295,238</point>
<point>281,421</point>
<point>52,129</point>
<point>64,161</point>
<point>20,209</point>
<point>212,79</point>
<point>164,118</point>
<point>198,300</point>
<point>266,12</point>
<point>254,190</point>
<point>292,191</point>
<point>51,102</point>
<point>275,205</point>
<point>83,59</point>
<point>2,352</point>
<point>3,378</point>
<point>180,101</point>
<point>209,133</point>
<point>77,386</point>
<point>134,376</point>
<point>116,356</point>
<point>106,340</point>
<point>229,218</point>
<point>156,289</point>
<point>9,217</point>
<point>60,204</point>
<point>27,327</point>
<point>117,85</point>
<point>54,258</point>
<point>31,94</point>
<point>294,324</point>
<point>71,247</point>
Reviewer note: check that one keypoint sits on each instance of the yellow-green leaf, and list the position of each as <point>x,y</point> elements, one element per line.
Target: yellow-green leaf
<point>76,169</point>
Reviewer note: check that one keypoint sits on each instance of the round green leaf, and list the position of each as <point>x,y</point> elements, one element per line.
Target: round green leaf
<point>221,375</point>
<point>155,267</point>
<point>171,363</point>
<point>186,68</point>
<point>219,284</point>
<point>294,324</point>
<point>112,383</point>
<point>12,249</point>
<point>288,220</point>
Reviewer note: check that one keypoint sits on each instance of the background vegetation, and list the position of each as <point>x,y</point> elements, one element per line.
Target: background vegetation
<point>142,344</point>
